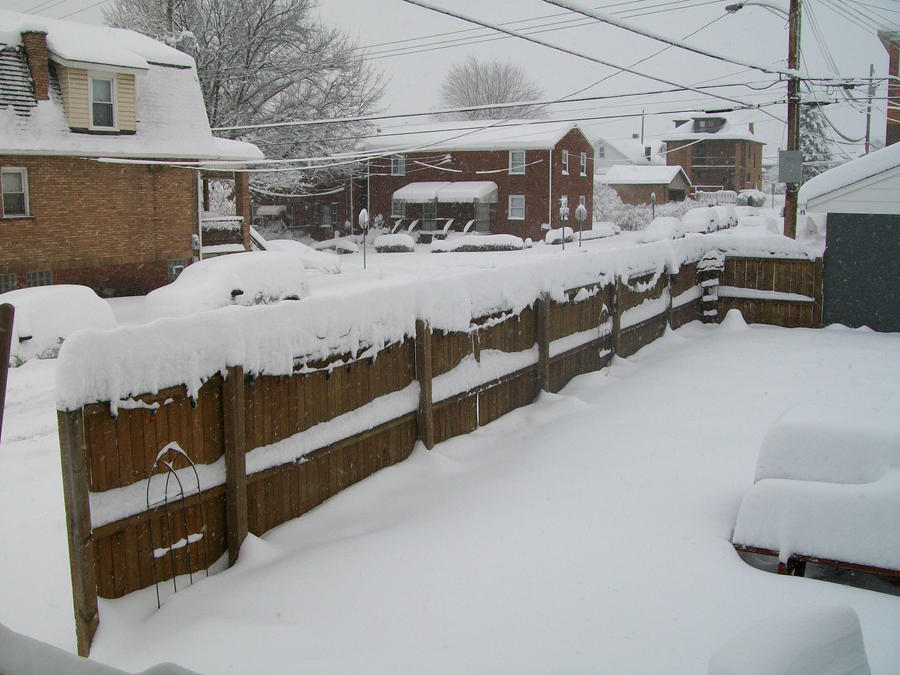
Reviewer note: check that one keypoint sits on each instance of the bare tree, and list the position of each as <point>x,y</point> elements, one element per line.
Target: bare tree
<point>478,83</point>
<point>265,61</point>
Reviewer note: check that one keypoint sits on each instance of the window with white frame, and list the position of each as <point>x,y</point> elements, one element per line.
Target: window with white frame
<point>398,208</point>
<point>565,161</point>
<point>398,165</point>
<point>15,191</point>
<point>582,164</point>
<point>601,151</point>
<point>517,162</point>
<point>517,207</point>
<point>103,97</point>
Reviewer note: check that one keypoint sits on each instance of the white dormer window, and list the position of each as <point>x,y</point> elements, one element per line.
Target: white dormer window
<point>398,165</point>
<point>565,161</point>
<point>517,162</point>
<point>103,97</point>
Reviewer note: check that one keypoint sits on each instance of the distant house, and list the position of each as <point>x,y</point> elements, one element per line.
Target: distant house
<point>506,177</point>
<point>862,241</point>
<point>716,152</point>
<point>638,184</point>
<point>609,152</point>
<point>71,94</point>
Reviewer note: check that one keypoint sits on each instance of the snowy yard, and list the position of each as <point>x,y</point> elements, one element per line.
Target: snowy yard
<point>589,532</point>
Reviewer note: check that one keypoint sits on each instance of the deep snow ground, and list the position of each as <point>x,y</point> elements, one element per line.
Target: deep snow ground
<point>588,532</point>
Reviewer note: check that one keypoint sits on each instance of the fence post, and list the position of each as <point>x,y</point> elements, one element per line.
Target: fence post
<point>423,375</point>
<point>75,477</point>
<point>7,314</point>
<point>818,293</point>
<point>235,461</point>
<point>616,337</point>
<point>669,308</point>
<point>542,328</point>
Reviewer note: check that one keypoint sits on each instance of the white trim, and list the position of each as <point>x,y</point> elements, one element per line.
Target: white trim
<point>516,173</point>
<point>400,161</point>
<point>113,94</point>
<point>582,164</point>
<point>23,172</point>
<point>509,209</point>
<point>565,162</point>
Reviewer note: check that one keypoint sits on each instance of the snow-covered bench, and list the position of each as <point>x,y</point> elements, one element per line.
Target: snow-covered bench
<point>827,491</point>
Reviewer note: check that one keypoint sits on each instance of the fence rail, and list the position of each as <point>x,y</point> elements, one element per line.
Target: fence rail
<point>271,448</point>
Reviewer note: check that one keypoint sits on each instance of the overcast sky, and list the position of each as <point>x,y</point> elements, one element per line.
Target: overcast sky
<point>414,47</point>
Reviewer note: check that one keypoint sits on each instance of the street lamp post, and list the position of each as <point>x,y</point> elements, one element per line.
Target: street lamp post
<point>793,100</point>
<point>364,226</point>
<point>580,216</point>
<point>563,216</point>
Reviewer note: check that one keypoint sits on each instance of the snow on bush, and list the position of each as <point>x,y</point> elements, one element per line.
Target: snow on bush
<point>46,315</point>
<point>395,243</point>
<point>473,243</point>
<point>818,641</point>
<point>751,198</point>
<point>608,206</point>
<point>324,261</point>
<point>555,236</point>
<point>727,216</point>
<point>252,278</point>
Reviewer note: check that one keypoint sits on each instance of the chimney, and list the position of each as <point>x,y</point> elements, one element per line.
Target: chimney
<point>36,50</point>
<point>891,42</point>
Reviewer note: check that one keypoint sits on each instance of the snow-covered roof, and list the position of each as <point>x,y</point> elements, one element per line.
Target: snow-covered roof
<point>629,174</point>
<point>171,116</point>
<point>78,42</point>
<point>445,191</point>
<point>835,190</point>
<point>472,135</point>
<point>731,130</point>
<point>633,149</point>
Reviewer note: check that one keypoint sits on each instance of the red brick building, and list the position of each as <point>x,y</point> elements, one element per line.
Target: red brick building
<point>71,94</point>
<point>505,178</point>
<point>716,153</point>
<point>637,184</point>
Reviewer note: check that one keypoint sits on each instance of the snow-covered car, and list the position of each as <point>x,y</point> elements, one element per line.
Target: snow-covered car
<point>661,228</point>
<point>252,278</point>
<point>751,198</point>
<point>324,261</point>
<point>701,219</point>
<point>47,315</point>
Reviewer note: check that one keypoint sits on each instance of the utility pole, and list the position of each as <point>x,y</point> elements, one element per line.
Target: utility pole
<point>869,107</point>
<point>170,16</point>
<point>793,116</point>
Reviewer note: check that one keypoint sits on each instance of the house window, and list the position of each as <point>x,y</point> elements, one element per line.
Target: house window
<point>7,282</point>
<point>42,278</point>
<point>398,208</point>
<point>15,192</point>
<point>398,165</point>
<point>582,164</point>
<point>565,162</point>
<point>429,214</point>
<point>581,201</point>
<point>601,151</point>
<point>103,90</point>
<point>517,207</point>
<point>517,162</point>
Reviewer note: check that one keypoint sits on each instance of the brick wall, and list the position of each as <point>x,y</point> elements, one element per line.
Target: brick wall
<point>535,184</point>
<point>726,164</point>
<point>108,226</point>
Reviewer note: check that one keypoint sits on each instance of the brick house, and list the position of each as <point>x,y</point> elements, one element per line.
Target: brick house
<point>716,153</point>
<point>637,184</point>
<point>504,179</point>
<point>610,152</point>
<point>71,94</point>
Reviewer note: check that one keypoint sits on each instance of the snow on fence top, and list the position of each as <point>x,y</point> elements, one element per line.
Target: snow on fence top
<point>268,339</point>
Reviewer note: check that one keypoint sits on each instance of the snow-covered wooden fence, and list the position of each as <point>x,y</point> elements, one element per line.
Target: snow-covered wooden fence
<point>270,447</point>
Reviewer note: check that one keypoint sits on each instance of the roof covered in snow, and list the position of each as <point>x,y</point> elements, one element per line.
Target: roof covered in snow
<point>868,184</point>
<point>472,135</point>
<point>628,174</point>
<point>171,116</point>
<point>632,150</point>
<point>452,192</point>
<point>731,130</point>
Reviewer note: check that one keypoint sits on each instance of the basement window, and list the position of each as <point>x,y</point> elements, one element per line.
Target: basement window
<point>7,282</point>
<point>39,278</point>
<point>15,191</point>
